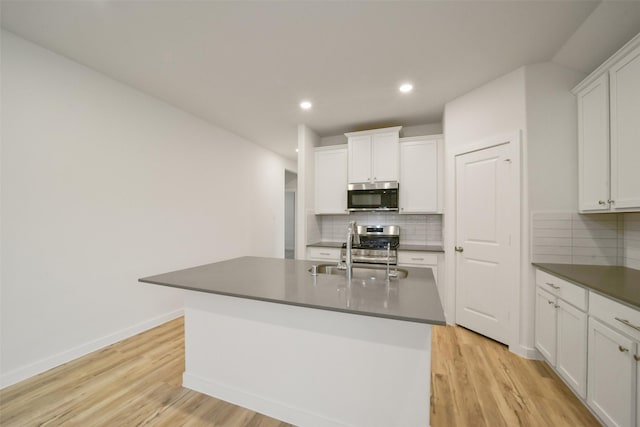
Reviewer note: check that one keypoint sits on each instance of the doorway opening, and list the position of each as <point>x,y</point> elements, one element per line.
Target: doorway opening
<point>290,187</point>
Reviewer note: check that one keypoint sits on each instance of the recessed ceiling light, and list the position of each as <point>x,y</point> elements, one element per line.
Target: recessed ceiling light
<point>406,88</point>
<point>305,105</point>
<point>296,150</point>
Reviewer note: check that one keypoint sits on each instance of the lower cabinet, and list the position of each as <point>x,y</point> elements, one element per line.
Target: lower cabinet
<point>561,337</point>
<point>612,375</point>
<point>571,355</point>
<point>593,342</point>
<point>316,253</point>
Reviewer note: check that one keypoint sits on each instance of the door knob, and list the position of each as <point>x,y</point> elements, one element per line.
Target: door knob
<point>459,249</point>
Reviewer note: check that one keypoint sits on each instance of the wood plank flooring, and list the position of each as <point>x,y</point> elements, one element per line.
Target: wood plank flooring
<point>136,382</point>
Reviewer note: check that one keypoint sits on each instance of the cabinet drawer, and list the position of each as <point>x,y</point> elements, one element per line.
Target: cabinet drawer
<point>329,254</point>
<point>573,294</point>
<point>417,258</point>
<point>620,316</point>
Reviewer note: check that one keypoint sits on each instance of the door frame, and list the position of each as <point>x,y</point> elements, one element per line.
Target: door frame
<point>514,141</point>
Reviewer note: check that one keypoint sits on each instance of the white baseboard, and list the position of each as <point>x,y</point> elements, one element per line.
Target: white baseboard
<point>526,352</point>
<point>277,410</point>
<point>28,371</point>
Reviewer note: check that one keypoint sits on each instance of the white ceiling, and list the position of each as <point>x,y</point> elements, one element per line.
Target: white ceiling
<point>245,66</point>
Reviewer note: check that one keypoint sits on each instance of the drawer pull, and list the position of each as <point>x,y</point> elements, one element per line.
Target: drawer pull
<point>417,259</point>
<point>325,253</point>
<point>629,324</point>
<point>622,349</point>
<point>550,302</point>
<point>635,356</point>
<point>552,285</point>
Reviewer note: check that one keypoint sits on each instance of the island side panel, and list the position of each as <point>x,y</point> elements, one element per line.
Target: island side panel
<point>307,366</point>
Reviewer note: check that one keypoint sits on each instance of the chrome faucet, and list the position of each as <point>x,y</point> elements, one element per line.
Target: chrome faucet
<point>351,235</point>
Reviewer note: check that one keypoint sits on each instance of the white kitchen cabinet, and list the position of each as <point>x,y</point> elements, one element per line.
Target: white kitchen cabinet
<point>545,325</point>
<point>373,155</point>
<point>612,375</point>
<point>561,328</point>
<point>318,253</point>
<point>624,79</point>
<point>614,353</point>
<point>609,132</point>
<point>423,259</point>
<point>571,354</point>
<point>331,180</point>
<point>421,175</point>
<point>593,147</point>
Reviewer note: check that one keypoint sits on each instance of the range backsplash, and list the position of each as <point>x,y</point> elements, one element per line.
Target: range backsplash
<point>571,238</point>
<point>414,229</point>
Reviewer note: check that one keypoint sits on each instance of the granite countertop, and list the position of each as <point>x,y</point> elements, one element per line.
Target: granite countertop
<point>619,283</point>
<point>418,248</point>
<point>286,281</point>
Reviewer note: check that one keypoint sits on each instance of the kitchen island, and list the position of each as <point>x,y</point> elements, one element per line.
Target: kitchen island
<point>265,334</point>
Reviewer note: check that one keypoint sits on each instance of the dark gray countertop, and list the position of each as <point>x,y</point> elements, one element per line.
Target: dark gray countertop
<point>287,281</point>
<point>418,248</point>
<point>619,283</point>
<point>327,244</point>
<point>421,248</point>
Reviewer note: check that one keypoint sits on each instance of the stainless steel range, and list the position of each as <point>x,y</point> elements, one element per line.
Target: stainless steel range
<point>374,244</point>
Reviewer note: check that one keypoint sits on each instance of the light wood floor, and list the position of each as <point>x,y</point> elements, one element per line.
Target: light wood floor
<point>475,382</point>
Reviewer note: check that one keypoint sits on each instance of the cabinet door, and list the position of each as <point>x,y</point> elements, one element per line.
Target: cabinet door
<point>385,156</point>
<point>331,181</point>
<point>611,375</point>
<point>593,146</point>
<point>625,132</point>
<point>545,334</point>
<point>571,351</point>
<point>419,177</point>
<point>359,158</point>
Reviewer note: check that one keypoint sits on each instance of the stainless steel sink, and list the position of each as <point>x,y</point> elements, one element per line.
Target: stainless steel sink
<point>361,272</point>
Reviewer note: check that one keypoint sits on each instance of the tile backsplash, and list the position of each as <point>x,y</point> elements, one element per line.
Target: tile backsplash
<point>631,243</point>
<point>414,229</point>
<point>600,239</point>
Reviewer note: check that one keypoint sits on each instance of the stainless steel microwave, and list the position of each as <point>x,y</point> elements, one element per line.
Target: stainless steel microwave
<point>377,196</point>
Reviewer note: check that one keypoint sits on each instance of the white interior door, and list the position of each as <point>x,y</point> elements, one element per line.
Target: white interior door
<point>486,264</point>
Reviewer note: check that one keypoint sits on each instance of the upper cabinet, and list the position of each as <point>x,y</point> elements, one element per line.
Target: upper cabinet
<point>331,180</point>
<point>421,175</point>
<point>373,155</point>
<point>609,134</point>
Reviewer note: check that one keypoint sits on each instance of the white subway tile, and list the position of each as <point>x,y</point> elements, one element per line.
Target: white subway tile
<point>556,259</point>
<point>552,224</point>
<point>546,232</point>
<point>609,234</point>
<point>552,250</point>
<point>607,252</point>
<point>594,243</point>
<point>594,260</point>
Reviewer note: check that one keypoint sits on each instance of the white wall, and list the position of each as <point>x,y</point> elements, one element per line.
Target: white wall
<point>102,185</point>
<point>417,130</point>
<point>497,108</point>
<point>535,99</point>
<point>307,226</point>
<point>552,137</point>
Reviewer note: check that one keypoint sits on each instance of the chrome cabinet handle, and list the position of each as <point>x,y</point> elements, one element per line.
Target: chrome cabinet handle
<point>550,302</point>
<point>417,259</point>
<point>622,349</point>
<point>636,357</point>
<point>611,201</point>
<point>626,322</point>
<point>601,202</point>
<point>459,249</point>
<point>552,285</point>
